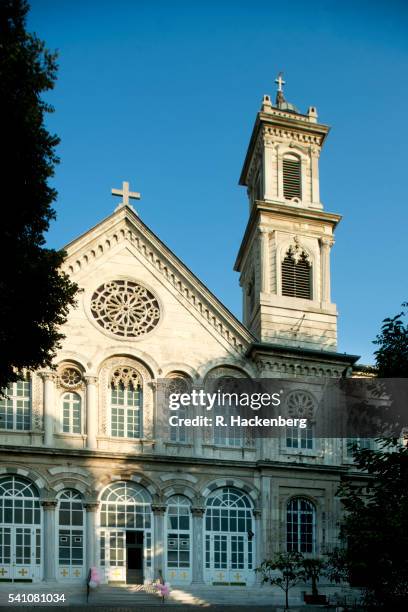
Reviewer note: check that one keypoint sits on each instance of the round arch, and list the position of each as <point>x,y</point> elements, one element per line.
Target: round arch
<point>29,474</point>
<point>178,539</point>
<point>70,543</point>
<point>300,514</point>
<point>125,530</point>
<point>236,483</point>
<point>224,368</point>
<point>20,528</point>
<point>229,554</point>
<point>314,259</point>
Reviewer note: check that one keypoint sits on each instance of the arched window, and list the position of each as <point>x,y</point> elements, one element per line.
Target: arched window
<point>178,538</point>
<point>15,406</point>
<point>71,535</point>
<point>297,274</point>
<point>178,384</point>
<point>292,177</point>
<point>300,405</point>
<point>126,403</point>
<point>125,520</point>
<point>228,536</point>
<point>228,434</point>
<point>301,525</point>
<point>71,413</point>
<point>20,529</point>
<point>126,504</point>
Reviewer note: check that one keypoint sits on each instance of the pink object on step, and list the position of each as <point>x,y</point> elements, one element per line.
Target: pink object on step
<point>164,589</point>
<point>95,577</point>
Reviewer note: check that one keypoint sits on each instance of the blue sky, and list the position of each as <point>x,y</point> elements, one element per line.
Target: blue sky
<point>164,94</point>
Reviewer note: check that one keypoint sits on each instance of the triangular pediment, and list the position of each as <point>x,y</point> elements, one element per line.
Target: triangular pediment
<point>125,229</point>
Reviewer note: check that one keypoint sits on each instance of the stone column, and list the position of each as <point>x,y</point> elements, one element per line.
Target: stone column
<point>159,543</point>
<point>49,540</point>
<point>258,553</point>
<point>264,259</point>
<point>91,411</point>
<point>269,161</point>
<point>279,164</point>
<point>197,548</point>
<point>90,541</point>
<point>198,434</point>
<point>315,175</point>
<point>49,407</point>
<point>325,246</point>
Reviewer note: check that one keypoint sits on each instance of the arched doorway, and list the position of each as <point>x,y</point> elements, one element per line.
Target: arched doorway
<point>71,536</point>
<point>125,535</point>
<point>20,530</point>
<point>178,541</point>
<point>229,538</point>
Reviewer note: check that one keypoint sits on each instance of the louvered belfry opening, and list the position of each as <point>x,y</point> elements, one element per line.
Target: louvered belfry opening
<point>292,178</point>
<point>297,276</point>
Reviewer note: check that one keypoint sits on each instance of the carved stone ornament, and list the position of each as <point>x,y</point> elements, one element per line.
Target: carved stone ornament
<point>70,378</point>
<point>177,384</point>
<point>125,308</point>
<point>126,377</point>
<point>300,404</point>
<point>120,369</point>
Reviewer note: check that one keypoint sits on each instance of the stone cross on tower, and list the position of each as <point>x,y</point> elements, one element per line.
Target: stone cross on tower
<point>280,82</point>
<point>125,194</point>
<point>280,98</point>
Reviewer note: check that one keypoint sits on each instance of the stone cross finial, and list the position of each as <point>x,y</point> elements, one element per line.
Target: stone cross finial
<point>280,82</point>
<point>126,194</point>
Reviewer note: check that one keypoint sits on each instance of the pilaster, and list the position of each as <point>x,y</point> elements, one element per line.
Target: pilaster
<point>91,411</point>
<point>49,508</point>
<point>198,551</point>
<point>91,509</point>
<point>49,407</point>
<point>159,512</point>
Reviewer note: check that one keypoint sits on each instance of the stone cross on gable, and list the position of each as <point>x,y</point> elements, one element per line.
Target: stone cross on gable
<point>125,194</point>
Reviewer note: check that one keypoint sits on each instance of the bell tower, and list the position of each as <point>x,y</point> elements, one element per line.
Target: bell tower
<point>284,258</point>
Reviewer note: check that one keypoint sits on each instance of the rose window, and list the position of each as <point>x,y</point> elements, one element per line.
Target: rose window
<point>70,378</point>
<point>125,308</point>
<point>300,404</point>
<point>177,384</point>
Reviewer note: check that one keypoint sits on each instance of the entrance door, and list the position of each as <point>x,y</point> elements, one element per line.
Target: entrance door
<point>20,554</point>
<point>134,557</point>
<point>125,554</point>
<point>228,558</point>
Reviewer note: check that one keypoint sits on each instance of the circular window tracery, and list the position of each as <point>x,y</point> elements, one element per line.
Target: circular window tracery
<point>70,378</point>
<point>301,404</point>
<point>125,308</point>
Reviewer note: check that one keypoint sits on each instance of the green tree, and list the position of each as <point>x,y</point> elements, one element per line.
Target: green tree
<point>284,570</point>
<point>392,354</point>
<point>312,569</point>
<point>35,294</point>
<point>374,529</point>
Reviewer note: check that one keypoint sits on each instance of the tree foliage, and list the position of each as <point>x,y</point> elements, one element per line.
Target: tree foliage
<point>35,294</point>
<point>392,354</point>
<point>284,570</point>
<point>313,569</point>
<point>374,530</point>
<point>375,527</point>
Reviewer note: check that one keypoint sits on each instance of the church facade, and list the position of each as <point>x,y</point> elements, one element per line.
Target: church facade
<point>85,477</point>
